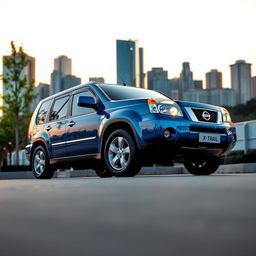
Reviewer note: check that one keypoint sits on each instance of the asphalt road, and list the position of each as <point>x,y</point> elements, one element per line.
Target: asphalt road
<point>160,215</point>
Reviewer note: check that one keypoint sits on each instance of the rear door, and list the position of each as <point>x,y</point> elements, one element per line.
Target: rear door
<point>82,127</point>
<point>56,127</point>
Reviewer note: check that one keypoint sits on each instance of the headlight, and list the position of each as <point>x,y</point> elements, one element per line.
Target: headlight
<point>165,107</point>
<point>225,115</point>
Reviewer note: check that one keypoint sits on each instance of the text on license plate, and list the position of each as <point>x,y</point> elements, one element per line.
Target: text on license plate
<point>209,138</point>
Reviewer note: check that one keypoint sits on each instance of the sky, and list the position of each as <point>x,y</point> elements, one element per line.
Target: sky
<point>208,34</point>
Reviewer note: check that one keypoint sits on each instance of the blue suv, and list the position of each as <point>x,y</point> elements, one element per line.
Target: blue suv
<point>118,129</point>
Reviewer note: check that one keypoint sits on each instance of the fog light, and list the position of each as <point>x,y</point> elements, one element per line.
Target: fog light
<point>167,133</point>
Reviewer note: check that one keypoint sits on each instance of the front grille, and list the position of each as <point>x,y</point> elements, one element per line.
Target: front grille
<point>205,115</point>
<point>207,129</point>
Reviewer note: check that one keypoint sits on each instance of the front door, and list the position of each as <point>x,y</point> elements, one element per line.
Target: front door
<point>82,128</point>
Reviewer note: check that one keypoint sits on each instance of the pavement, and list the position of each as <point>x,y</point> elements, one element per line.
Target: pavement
<point>144,215</point>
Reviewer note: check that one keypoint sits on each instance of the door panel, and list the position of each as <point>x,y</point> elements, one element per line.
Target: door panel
<point>57,134</point>
<point>82,128</point>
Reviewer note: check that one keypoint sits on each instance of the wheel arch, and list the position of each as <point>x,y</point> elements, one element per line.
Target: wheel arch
<point>37,143</point>
<point>116,125</point>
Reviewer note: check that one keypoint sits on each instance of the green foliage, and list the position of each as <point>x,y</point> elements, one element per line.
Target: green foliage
<point>236,157</point>
<point>19,96</point>
<point>7,135</point>
<point>243,112</point>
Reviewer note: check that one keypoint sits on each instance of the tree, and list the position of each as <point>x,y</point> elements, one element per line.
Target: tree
<point>7,135</point>
<point>243,112</point>
<point>19,95</point>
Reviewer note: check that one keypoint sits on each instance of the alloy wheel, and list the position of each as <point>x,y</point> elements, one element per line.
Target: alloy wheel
<point>39,162</point>
<point>119,153</point>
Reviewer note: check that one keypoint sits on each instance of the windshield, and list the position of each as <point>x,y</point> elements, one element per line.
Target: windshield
<point>117,92</point>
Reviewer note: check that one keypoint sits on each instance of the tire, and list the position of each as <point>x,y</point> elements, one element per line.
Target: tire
<point>40,164</point>
<point>121,155</point>
<point>103,173</point>
<point>202,166</point>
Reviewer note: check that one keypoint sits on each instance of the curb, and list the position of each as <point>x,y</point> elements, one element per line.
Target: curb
<point>155,170</point>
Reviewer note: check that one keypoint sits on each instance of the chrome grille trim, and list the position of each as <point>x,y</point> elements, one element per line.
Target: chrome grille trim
<point>194,118</point>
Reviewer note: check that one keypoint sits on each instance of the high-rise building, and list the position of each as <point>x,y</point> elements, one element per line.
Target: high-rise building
<point>42,91</point>
<point>198,84</point>
<point>99,80</point>
<point>141,67</point>
<point>158,80</point>
<point>213,79</point>
<point>186,77</point>
<point>128,60</point>
<point>61,77</point>
<point>241,81</point>
<point>219,97</point>
<point>173,88</point>
<point>63,64</point>
<point>70,81</point>
<point>253,88</point>
<point>29,71</point>
<point>56,82</point>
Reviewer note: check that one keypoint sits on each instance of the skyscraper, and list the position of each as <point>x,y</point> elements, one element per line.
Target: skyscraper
<point>186,77</point>
<point>158,80</point>
<point>219,97</point>
<point>253,84</point>
<point>42,91</point>
<point>70,81</point>
<point>63,64</point>
<point>198,84</point>
<point>61,77</point>
<point>213,79</point>
<point>173,88</point>
<point>241,81</point>
<point>98,79</point>
<point>141,70</point>
<point>128,59</point>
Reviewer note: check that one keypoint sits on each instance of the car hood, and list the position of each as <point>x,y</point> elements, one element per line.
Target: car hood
<point>196,105</point>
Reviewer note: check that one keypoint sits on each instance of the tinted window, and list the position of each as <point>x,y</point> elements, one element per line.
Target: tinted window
<point>76,110</point>
<point>117,92</point>
<point>60,108</point>
<point>42,112</point>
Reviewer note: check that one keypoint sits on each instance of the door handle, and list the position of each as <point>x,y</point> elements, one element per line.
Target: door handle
<point>48,128</point>
<point>71,123</point>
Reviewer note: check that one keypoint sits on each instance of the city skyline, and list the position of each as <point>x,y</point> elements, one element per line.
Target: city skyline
<point>184,87</point>
<point>206,34</point>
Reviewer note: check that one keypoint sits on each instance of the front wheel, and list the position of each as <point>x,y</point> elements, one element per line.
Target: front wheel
<point>41,164</point>
<point>121,155</point>
<point>202,166</point>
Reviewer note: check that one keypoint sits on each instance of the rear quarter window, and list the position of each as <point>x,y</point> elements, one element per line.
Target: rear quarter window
<point>42,112</point>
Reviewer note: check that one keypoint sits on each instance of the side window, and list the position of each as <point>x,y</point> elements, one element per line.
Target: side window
<point>60,108</point>
<point>76,110</point>
<point>42,112</point>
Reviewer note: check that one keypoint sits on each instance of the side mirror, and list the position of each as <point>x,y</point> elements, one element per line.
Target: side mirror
<point>87,102</point>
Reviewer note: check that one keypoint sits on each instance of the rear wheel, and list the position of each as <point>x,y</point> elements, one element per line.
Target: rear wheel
<point>41,164</point>
<point>121,155</point>
<point>202,166</point>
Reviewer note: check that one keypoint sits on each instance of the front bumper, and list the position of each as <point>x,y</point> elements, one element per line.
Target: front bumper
<point>184,137</point>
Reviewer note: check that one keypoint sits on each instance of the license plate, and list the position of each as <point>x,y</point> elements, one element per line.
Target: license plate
<point>209,138</point>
